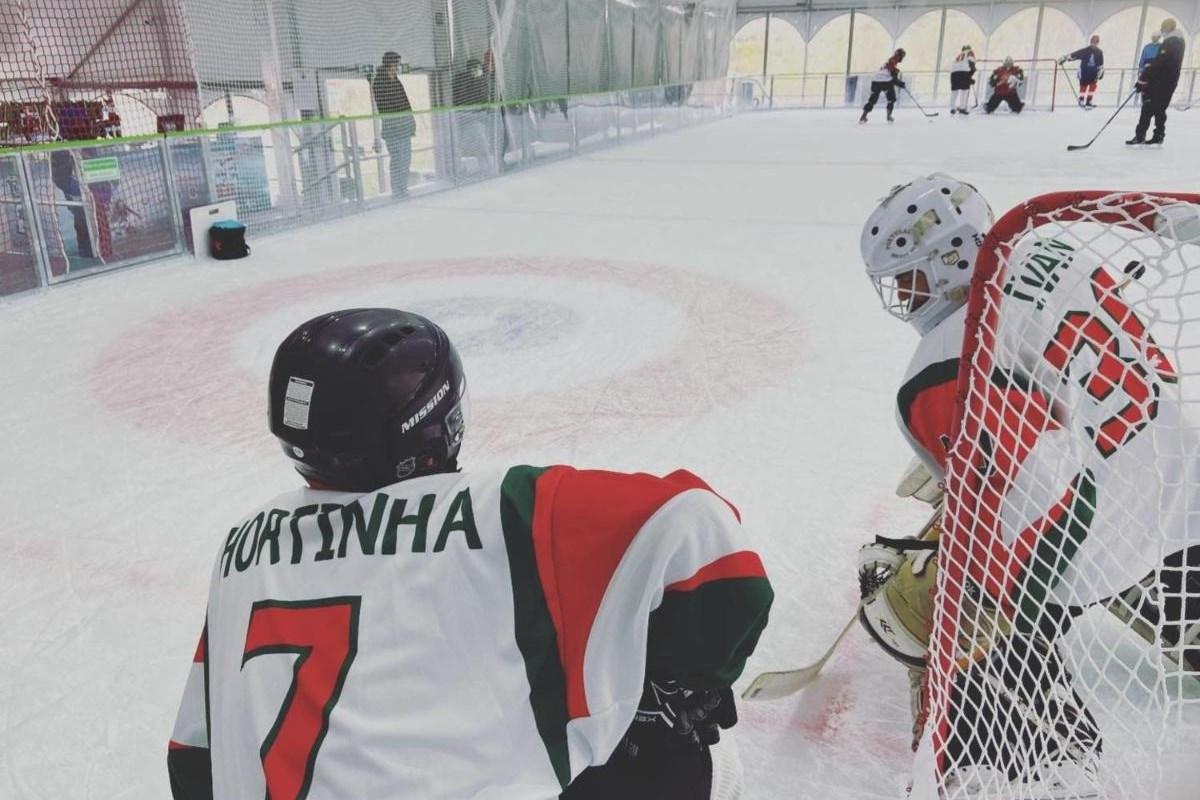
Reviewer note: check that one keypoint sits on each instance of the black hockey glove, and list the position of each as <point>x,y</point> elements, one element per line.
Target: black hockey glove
<point>671,717</point>
<point>901,83</point>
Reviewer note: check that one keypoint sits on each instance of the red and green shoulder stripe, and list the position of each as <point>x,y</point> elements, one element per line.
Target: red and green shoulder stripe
<point>621,575</point>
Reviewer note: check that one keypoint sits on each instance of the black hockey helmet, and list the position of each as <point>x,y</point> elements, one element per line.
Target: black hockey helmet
<point>365,397</point>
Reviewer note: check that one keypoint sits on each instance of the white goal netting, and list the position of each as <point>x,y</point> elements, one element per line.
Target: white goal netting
<point>1065,658</point>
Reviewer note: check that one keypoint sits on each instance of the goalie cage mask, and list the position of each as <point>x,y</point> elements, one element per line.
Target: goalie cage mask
<point>362,398</point>
<point>932,226</point>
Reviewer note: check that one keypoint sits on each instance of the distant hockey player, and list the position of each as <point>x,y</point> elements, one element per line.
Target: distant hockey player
<point>1149,52</point>
<point>885,82</point>
<point>1157,85</point>
<point>1006,82</point>
<point>962,78</point>
<point>919,247</point>
<point>398,628</point>
<point>1091,69</point>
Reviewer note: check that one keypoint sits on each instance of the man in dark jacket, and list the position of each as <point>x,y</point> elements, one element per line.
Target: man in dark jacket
<point>398,131</point>
<point>1157,84</point>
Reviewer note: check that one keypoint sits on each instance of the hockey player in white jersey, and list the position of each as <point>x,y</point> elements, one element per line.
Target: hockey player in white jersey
<point>401,629</point>
<point>920,246</point>
<point>962,77</point>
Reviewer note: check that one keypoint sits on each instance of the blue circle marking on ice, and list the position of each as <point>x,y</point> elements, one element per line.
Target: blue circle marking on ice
<point>493,324</point>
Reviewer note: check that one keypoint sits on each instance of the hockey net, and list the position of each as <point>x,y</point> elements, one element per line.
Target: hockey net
<point>1065,654</point>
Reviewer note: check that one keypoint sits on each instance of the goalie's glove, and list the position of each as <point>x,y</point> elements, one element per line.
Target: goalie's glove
<point>895,578</point>
<point>879,561</point>
<point>672,717</point>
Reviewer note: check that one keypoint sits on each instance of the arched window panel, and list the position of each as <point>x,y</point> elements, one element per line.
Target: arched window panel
<point>785,49</point>
<point>787,62</point>
<point>920,42</point>
<point>1014,36</point>
<point>827,48</point>
<point>1060,34</point>
<point>748,47</point>
<point>873,44</point>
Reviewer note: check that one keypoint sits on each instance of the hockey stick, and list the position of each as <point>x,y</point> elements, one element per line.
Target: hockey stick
<point>1067,75</point>
<point>774,685</point>
<point>927,114</point>
<point>1073,147</point>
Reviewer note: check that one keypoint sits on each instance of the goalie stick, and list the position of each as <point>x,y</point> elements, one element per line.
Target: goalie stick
<point>784,683</point>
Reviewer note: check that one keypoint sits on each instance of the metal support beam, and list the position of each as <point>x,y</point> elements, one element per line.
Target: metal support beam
<point>766,43</point>
<point>850,43</point>
<point>1141,37</point>
<point>937,64</point>
<point>104,37</point>
<point>1037,46</point>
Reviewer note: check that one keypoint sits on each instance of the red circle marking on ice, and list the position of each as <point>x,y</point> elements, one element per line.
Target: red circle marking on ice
<point>177,372</point>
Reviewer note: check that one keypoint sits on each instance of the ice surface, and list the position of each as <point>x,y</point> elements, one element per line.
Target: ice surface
<point>692,301</point>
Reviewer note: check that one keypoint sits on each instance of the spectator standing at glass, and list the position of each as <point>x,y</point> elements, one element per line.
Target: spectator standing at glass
<point>390,98</point>
<point>472,92</point>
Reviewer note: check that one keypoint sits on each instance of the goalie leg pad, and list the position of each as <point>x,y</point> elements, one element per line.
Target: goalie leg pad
<point>1180,578</point>
<point>1016,712</point>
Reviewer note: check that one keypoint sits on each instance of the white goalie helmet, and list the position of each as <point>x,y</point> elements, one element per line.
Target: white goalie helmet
<point>919,247</point>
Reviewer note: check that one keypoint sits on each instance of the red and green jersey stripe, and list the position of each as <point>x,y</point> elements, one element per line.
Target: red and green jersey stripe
<point>567,532</point>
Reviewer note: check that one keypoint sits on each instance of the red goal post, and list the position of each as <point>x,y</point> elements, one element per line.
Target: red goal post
<point>1133,346</point>
<point>1044,80</point>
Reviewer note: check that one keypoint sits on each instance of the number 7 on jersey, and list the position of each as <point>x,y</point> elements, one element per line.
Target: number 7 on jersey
<point>323,635</point>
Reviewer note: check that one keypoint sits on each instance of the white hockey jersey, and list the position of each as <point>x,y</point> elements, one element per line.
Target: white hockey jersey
<point>1078,464</point>
<point>963,62</point>
<point>457,636</point>
<point>926,401</point>
<point>888,71</point>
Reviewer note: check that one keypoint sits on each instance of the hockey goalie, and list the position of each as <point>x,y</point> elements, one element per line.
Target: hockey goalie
<point>1070,494</point>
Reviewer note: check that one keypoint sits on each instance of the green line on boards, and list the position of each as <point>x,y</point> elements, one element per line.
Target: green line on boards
<point>197,133</point>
